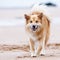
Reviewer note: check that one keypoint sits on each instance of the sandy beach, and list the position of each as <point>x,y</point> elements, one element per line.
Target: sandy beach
<point>16,52</point>
<point>14,44</point>
<point>14,40</point>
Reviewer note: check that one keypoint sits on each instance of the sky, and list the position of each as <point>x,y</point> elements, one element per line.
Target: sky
<point>23,3</point>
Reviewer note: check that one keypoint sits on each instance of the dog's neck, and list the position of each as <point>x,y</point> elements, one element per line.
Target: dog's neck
<point>36,35</point>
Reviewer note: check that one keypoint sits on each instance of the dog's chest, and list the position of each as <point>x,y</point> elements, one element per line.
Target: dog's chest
<point>34,37</point>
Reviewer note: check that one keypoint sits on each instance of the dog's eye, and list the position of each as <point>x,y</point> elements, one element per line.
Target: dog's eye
<point>30,21</point>
<point>36,21</point>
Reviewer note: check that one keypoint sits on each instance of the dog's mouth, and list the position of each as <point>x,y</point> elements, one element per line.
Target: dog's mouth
<point>34,27</point>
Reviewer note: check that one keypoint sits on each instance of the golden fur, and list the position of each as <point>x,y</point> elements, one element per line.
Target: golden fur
<point>38,36</point>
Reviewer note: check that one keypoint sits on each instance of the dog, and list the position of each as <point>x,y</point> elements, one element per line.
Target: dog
<point>38,29</point>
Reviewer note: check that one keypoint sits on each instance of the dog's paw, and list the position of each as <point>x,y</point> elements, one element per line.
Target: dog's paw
<point>33,55</point>
<point>43,52</point>
<point>37,55</point>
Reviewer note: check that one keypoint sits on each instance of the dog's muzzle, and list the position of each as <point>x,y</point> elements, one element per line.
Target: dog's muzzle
<point>34,27</point>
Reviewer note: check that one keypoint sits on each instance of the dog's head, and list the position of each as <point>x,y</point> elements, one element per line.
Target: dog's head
<point>34,22</point>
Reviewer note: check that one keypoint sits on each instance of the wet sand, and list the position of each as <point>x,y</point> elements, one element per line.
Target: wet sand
<point>16,52</point>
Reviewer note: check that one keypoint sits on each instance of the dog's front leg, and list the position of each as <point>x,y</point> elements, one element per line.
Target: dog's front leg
<point>43,52</point>
<point>31,42</point>
<point>38,50</point>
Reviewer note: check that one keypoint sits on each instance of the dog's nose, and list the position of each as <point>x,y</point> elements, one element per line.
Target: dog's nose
<point>33,26</point>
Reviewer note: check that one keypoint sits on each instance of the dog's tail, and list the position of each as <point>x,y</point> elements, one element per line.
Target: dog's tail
<point>38,7</point>
<point>41,8</point>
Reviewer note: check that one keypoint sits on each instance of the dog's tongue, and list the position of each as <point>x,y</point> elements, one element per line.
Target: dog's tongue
<point>34,29</point>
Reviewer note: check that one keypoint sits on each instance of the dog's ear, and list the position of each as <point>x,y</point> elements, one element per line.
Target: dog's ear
<point>27,17</point>
<point>40,15</point>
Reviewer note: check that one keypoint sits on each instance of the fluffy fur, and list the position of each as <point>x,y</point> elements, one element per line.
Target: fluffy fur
<point>37,27</point>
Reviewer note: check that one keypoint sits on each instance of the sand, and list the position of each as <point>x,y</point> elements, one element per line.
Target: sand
<point>16,52</point>
<point>14,40</point>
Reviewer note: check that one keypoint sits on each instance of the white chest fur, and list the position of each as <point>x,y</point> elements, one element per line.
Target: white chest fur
<point>33,36</point>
